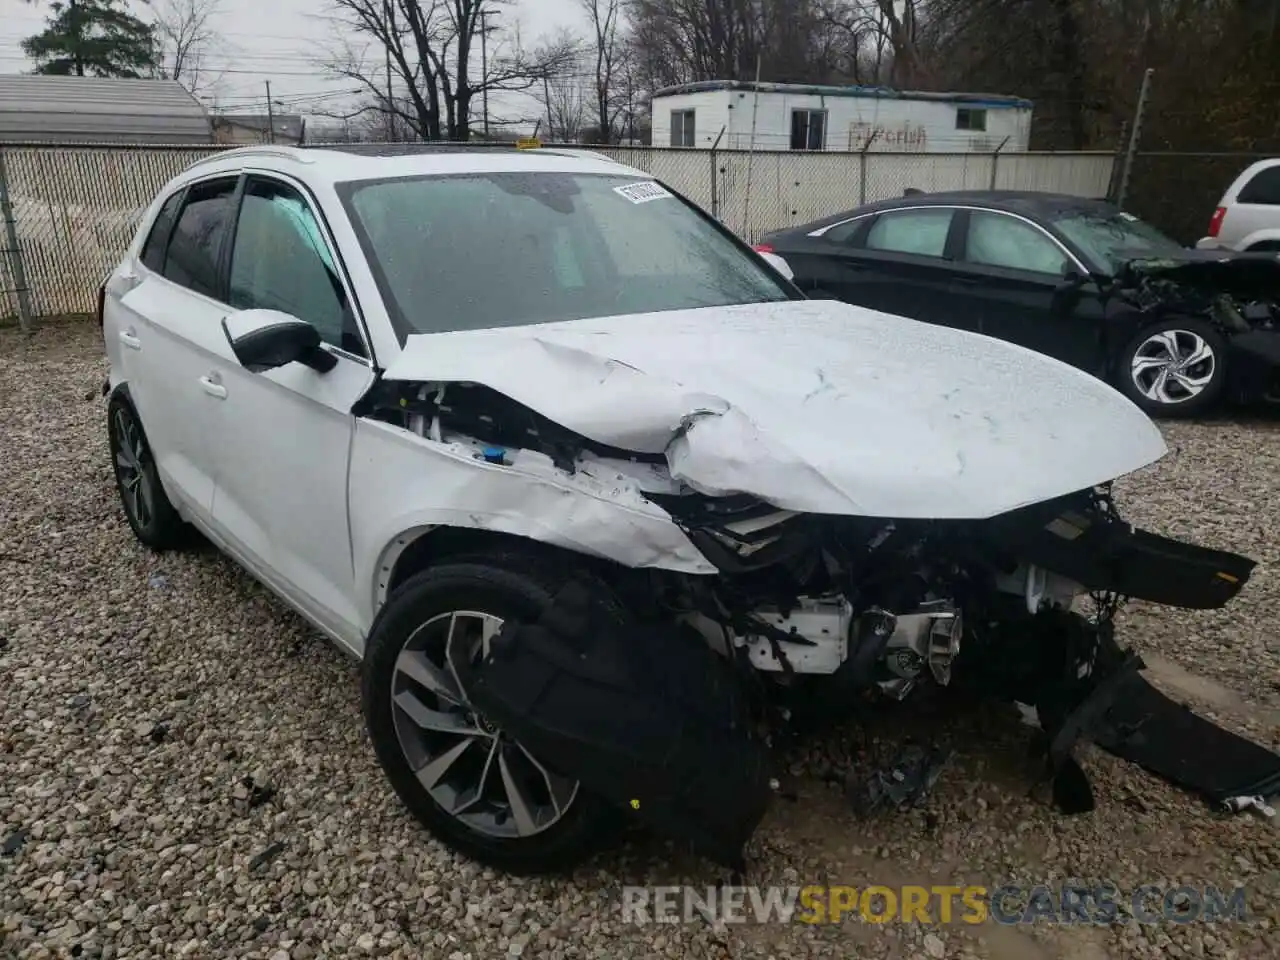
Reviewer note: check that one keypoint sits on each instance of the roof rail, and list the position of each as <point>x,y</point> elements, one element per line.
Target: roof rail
<point>264,150</point>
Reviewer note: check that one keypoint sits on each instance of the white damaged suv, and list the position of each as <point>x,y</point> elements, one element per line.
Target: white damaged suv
<point>597,497</point>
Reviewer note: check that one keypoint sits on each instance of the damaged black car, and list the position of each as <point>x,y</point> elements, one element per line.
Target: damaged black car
<point>1178,331</point>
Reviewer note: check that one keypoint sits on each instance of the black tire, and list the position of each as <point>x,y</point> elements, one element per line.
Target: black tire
<point>151,515</point>
<point>501,585</point>
<point>1187,396</point>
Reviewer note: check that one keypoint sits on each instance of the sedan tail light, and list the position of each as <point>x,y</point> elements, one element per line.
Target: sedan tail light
<point>763,248</point>
<point>1215,222</point>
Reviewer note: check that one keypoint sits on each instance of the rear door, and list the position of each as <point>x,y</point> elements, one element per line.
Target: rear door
<point>899,262</point>
<point>1010,280</point>
<point>169,332</point>
<point>906,264</point>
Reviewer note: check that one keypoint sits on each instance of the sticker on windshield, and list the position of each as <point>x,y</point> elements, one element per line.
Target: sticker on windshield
<point>642,192</point>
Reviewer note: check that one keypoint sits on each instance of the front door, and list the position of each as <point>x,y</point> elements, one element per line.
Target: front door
<point>1012,283</point>
<point>284,442</point>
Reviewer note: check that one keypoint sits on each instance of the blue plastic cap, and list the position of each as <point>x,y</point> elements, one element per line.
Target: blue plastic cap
<point>494,454</point>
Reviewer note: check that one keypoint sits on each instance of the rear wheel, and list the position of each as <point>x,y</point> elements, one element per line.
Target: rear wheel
<point>1176,367</point>
<point>470,783</point>
<point>151,516</point>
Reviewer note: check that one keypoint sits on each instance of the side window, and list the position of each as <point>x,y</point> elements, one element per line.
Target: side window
<point>967,118</point>
<point>196,245</point>
<point>996,240</point>
<point>1264,188</point>
<point>158,239</point>
<point>280,262</point>
<point>922,232</point>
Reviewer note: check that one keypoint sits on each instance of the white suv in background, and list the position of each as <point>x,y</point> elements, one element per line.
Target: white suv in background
<point>1248,216</point>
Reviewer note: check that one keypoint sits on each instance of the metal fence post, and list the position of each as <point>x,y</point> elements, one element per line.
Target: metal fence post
<point>14,251</point>
<point>862,167</point>
<point>1134,134</point>
<point>995,162</point>
<point>715,177</point>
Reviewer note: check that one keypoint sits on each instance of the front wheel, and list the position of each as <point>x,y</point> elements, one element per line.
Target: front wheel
<point>1174,368</point>
<point>469,782</point>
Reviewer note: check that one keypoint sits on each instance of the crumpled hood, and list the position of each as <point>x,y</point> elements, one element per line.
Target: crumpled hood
<point>815,406</point>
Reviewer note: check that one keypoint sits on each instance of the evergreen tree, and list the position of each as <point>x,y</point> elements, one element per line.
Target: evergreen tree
<point>94,38</point>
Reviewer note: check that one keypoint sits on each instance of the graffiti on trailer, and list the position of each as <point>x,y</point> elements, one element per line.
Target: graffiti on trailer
<point>908,136</point>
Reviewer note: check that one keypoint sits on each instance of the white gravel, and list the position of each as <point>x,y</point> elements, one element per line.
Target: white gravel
<point>183,769</point>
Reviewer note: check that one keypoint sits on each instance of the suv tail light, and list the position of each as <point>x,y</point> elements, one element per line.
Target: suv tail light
<point>1215,222</point>
<point>762,248</point>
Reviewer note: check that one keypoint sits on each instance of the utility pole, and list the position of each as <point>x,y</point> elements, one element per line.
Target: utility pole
<point>271,117</point>
<point>1134,133</point>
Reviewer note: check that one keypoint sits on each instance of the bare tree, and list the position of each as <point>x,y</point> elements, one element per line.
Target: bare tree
<point>604,18</point>
<point>427,49</point>
<point>563,93</point>
<point>186,37</point>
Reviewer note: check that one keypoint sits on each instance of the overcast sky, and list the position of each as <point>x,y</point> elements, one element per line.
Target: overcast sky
<point>283,41</point>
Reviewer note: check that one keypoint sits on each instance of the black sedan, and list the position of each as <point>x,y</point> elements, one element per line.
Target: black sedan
<point>1079,280</point>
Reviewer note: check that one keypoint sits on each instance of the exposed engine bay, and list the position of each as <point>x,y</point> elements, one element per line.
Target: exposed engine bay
<point>806,609</point>
<point>1238,293</point>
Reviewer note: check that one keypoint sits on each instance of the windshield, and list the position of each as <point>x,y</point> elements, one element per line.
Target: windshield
<point>1111,239</point>
<point>505,249</point>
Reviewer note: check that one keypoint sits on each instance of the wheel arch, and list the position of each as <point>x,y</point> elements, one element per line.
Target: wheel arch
<point>422,547</point>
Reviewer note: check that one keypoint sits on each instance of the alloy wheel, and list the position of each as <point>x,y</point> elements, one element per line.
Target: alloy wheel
<point>476,772</point>
<point>133,468</point>
<point>1173,366</point>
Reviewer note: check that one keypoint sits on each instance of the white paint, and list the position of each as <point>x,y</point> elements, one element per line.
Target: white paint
<point>814,406</point>
<point>902,124</point>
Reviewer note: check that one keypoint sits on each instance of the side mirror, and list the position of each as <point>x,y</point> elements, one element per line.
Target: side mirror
<point>1067,293</point>
<point>265,339</point>
<point>779,264</point>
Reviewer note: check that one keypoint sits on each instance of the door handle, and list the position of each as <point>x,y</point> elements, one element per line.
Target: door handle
<point>213,388</point>
<point>131,341</point>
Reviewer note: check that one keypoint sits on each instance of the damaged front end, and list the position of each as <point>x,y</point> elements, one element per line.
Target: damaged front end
<point>1238,293</point>
<point>673,710</point>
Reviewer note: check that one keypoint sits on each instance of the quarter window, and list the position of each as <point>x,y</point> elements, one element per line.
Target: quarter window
<point>280,261</point>
<point>922,232</point>
<point>158,239</point>
<point>194,251</point>
<point>1264,188</point>
<point>996,240</point>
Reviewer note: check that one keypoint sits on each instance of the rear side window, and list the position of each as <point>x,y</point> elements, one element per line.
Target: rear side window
<point>158,239</point>
<point>922,232</point>
<point>1264,188</point>
<point>202,228</point>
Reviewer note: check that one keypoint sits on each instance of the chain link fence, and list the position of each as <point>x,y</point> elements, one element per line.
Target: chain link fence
<point>74,209</point>
<point>1178,192</point>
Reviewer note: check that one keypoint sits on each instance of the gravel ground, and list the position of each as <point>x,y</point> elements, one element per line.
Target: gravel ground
<point>183,769</point>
